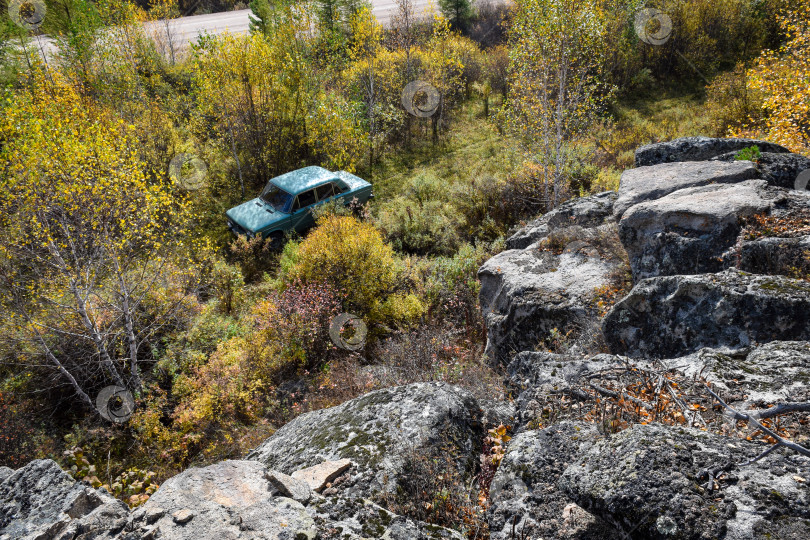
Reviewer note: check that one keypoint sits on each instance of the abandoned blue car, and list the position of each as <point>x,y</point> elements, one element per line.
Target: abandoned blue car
<point>286,203</point>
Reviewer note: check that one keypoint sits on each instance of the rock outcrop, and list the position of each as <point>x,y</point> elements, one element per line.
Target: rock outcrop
<point>536,375</point>
<point>231,499</point>
<point>780,170</point>
<point>358,519</point>
<point>585,212</point>
<point>546,285</point>
<point>525,500</point>
<point>691,222</point>
<point>698,149</point>
<point>376,430</point>
<point>41,501</point>
<point>653,182</point>
<point>776,372</point>
<point>652,481</point>
<point>526,295</point>
<point>670,316</point>
<point>690,230</point>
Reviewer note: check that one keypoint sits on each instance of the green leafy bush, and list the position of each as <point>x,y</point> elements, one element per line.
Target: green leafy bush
<point>751,153</point>
<point>352,257</point>
<point>134,486</point>
<point>421,220</point>
<point>451,285</point>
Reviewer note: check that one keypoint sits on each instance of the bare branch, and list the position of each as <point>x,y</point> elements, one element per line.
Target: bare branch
<point>781,408</point>
<point>780,441</point>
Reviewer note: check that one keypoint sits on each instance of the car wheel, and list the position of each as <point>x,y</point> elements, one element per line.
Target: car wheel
<point>275,240</point>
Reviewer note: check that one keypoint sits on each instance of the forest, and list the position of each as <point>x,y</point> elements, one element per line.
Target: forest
<point>121,151</point>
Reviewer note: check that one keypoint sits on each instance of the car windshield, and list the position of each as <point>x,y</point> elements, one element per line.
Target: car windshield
<point>276,197</point>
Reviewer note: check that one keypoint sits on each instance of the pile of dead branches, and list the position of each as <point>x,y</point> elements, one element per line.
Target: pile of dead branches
<point>617,397</point>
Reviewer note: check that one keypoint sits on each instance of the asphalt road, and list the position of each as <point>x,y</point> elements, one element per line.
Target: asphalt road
<point>186,30</point>
<point>236,22</point>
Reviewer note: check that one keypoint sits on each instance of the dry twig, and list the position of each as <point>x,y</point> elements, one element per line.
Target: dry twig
<point>751,419</point>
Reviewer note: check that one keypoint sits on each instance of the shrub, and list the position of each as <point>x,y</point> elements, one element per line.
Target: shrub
<point>452,286</point>
<point>134,486</point>
<point>224,389</point>
<point>422,221</point>
<point>254,256</point>
<point>350,256</point>
<point>297,321</point>
<point>731,103</point>
<point>751,153</point>
<point>228,285</point>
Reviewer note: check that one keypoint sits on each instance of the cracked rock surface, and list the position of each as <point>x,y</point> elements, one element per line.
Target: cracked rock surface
<point>649,482</point>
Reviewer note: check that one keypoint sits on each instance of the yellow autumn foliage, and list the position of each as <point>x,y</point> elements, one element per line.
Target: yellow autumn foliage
<point>783,79</point>
<point>352,256</point>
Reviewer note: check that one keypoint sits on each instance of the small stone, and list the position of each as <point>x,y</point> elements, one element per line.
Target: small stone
<point>154,514</point>
<point>181,517</point>
<point>290,487</point>
<point>318,476</point>
<point>149,534</point>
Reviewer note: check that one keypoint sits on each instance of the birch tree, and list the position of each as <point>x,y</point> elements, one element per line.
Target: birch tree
<point>95,260</point>
<point>556,88</point>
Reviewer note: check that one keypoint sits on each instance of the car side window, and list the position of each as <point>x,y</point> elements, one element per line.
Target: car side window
<point>324,191</point>
<point>304,199</point>
<point>340,187</point>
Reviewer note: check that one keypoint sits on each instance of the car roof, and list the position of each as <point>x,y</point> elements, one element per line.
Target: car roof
<point>295,182</point>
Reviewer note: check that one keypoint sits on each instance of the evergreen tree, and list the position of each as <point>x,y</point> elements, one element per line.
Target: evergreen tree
<point>265,15</point>
<point>458,12</point>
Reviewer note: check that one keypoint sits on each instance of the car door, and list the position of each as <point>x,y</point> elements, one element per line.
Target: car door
<point>302,210</point>
<point>325,192</point>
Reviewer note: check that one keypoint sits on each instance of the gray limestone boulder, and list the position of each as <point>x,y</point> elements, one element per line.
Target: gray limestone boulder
<point>671,316</point>
<point>776,256</point>
<point>759,376</point>
<point>361,519</point>
<point>778,243</point>
<point>376,431</point>
<point>690,231</point>
<point>653,182</point>
<point>780,170</point>
<point>40,501</point>
<point>590,211</point>
<point>698,149</point>
<point>525,501</point>
<point>230,499</point>
<point>550,287</point>
<point>651,481</point>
